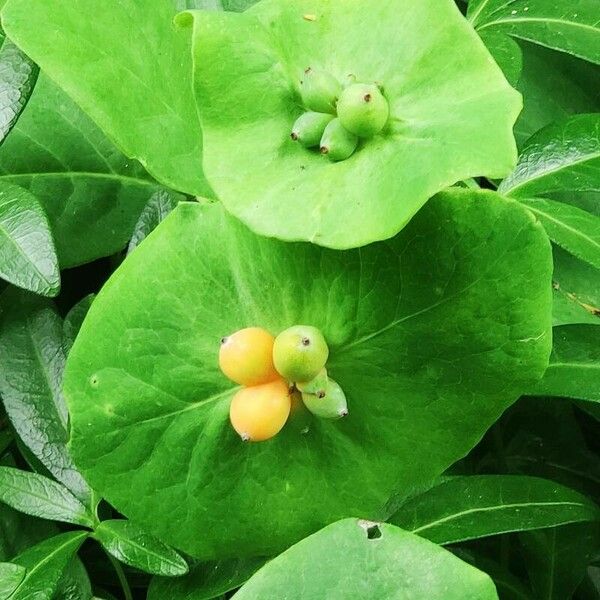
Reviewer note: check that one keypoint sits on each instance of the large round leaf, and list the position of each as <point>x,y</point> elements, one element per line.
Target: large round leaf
<point>452,113</point>
<point>432,335</point>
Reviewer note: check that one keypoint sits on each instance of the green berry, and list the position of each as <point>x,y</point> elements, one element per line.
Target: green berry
<point>309,127</point>
<point>332,405</point>
<point>319,90</point>
<point>316,386</point>
<point>337,142</point>
<point>299,353</point>
<point>363,110</point>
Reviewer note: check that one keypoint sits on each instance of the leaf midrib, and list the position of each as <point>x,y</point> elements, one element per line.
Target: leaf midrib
<point>509,20</point>
<point>75,174</point>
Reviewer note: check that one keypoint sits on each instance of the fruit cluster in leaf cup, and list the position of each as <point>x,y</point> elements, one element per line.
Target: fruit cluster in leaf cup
<point>338,117</point>
<point>273,372</point>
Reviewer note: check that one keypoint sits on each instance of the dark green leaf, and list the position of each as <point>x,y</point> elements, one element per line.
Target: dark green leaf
<point>45,564</point>
<point>92,193</point>
<point>18,75</point>
<point>571,27</point>
<point>574,370</point>
<point>342,561</point>
<point>74,320</point>
<point>570,227</point>
<point>11,576</point>
<point>205,580</point>
<point>75,583</point>
<point>452,317</point>
<point>438,133</point>
<point>556,559</point>
<point>576,290</point>
<point>41,497</point>
<point>466,508</point>
<point>158,207</point>
<point>27,255</point>
<point>137,88</point>
<point>32,361</point>
<point>18,532</point>
<point>562,156</point>
<point>131,545</point>
<point>506,53</point>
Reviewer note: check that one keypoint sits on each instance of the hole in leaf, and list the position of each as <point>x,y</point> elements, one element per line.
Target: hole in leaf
<point>371,529</point>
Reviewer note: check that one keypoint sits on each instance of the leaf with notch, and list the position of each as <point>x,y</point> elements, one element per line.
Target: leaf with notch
<point>564,25</point>
<point>18,75</point>
<point>467,508</point>
<point>45,563</point>
<point>32,361</point>
<point>41,497</point>
<point>343,561</point>
<point>27,255</point>
<point>131,545</point>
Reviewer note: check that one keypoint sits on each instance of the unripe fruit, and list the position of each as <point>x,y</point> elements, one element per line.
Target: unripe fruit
<point>332,405</point>
<point>316,386</point>
<point>259,412</point>
<point>319,90</point>
<point>363,110</point>
<point>337,142</point>
<point>300,352</point>
<point>246,356</point>
<point>309,127</point>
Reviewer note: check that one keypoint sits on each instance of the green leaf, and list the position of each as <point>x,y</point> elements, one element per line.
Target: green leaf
<point>150,113</point>
<point>452,316</point>
<point>32,360</point>
<point>467,508</point>
<point>570,227</point>
<point>506,53</point>
<point>574,370</point>
<point>27,255</point>
<point>341,561</point>
<point>556,559</point>
<point>18,75</point>
<point>41,497</point>
<point>205,580</point>
<point>45,564</point>
<point>158,207</point>
<point>571,27</point>
<point>131,545</point>
<point>10,577</point>
<point>18,532</point>
<point>92,193</point>
<point>74,319</point>
<point>576,290</point>
<point>75,583</point>
<point>562,156</point>
<point>554,86</point>
<point>451,118</point>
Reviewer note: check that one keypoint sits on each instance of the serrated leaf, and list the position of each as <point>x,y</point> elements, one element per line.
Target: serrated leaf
<point>467,508</point>
<point>576,287</point>
<point>438,133</point>
<point>452,317</point>
<point>11,576</point>
<point>74,319</point>
<point>205,580</point>
<point>131,545</point>
<point>32,361</point>
<point>41,497</point>
<point>158,207</point>
<point>151,112</point>
<point>574,370</point>
<point>18,75</point>
<point>91,193</point>
<point>570,227</point>
<point>562,156</point>
<point>27,255</point>
<point>341,561</point>
<point>45,563</point>
<point>571,27</point>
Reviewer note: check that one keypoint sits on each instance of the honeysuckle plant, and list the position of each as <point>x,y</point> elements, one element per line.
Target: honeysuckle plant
<point>299,299</point>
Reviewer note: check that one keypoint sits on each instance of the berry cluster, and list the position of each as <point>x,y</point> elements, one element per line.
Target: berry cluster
<point>273,370</point>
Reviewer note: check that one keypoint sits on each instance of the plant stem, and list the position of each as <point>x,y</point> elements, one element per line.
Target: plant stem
<point>471,183</point>
<point>121,575</point>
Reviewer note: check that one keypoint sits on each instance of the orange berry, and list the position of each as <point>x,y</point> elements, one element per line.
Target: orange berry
<point>258,413</point>
<point>246,356</point>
